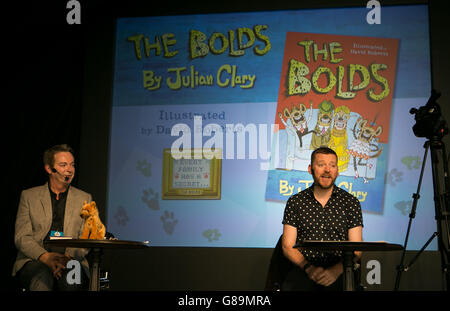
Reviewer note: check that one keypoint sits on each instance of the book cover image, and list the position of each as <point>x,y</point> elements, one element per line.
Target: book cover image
<point>335,91</point>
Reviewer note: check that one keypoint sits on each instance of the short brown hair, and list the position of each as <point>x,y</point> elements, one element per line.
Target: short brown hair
<point>322,150</point>
<point>49,154</point>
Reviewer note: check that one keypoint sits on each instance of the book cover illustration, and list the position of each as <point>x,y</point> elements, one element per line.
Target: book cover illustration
<point>335,91</point>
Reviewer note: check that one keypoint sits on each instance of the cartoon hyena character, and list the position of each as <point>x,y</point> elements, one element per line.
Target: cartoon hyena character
<point>299,123</point>
<point>296,124</point>
<point>362,147</point>
<point>322,131</point>
<point>338,140</point>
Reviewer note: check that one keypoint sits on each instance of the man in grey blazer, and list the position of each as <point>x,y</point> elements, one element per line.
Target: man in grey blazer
<point>50,210</point>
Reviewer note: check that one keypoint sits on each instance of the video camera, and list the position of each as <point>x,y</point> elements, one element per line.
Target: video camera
<point>429,120</point>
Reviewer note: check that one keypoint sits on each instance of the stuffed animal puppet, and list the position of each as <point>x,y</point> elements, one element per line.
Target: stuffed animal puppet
<point>93,227</point>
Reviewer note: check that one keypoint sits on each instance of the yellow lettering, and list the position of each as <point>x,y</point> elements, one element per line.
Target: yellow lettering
<point>168,40</point>
<point>177,84</point>
<point>380,80</point>
<point>363,195</point>
<point>335,47</point>
<point>250,36</point>
<point>297,83</point>
<point>363,74</point>
<point>261,51</point>
<point>340,93</point>
<point>150,80</point>
<point>343,184</point>
<point>285,188</point>
<point>330,78</point>
<point>360,195</point>
<point>227,68</point>
<point>156,46</point>
<point>212,41</point>
<point>137,45</point>
<point>306,182</point>
<point>233,52</point>
<point>306,45</point>
<point>197,47</point>
<point>323,52</point>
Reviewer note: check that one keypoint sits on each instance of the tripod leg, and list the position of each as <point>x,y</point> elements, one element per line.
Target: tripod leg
<point>407,267</point>
<point>416,196</point>
<point>441,207</point>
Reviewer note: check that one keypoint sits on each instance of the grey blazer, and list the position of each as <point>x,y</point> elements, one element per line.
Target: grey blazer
<point>34,219</point>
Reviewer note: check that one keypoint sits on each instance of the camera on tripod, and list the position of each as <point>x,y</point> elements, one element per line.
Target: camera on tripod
<point>429,121</point>
<point>431,124</point>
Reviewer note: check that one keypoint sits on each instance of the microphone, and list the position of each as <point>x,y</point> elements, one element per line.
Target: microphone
<point>66,178</point>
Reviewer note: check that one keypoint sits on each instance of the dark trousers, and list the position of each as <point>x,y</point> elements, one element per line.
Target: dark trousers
<point>298,280</point>
<point>36,276</point>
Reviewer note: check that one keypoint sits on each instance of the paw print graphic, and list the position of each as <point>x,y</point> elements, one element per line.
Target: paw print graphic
<point>169,222</point>
<point>394,176</point>
<point>121,216</point>
<point>145,168</point>
<point>150,198</point>
<point>404,207</point>
<point>212,234</point>
<point>412,162</point>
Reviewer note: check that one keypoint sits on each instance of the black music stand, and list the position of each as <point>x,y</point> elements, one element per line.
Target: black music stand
<point>96,247</point>
<point>348,248</point>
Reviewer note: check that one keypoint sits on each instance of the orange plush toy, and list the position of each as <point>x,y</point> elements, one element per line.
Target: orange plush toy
<point>93,226</point>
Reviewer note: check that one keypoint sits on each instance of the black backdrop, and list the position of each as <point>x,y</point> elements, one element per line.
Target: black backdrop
<point>42,69</point>
<point>57,80</point>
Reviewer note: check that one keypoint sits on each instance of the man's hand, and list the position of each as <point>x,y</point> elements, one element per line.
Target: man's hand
<point>325,277</point>
<point>55,261</point>
<point>314,272</point>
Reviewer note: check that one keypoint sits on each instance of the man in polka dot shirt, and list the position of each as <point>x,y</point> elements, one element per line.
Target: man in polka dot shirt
<point>320,212</point>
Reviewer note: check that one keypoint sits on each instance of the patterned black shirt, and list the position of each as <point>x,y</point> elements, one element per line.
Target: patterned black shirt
<point>330,223</point>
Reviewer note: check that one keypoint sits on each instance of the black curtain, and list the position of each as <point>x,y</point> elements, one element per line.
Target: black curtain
<point>42,73</point>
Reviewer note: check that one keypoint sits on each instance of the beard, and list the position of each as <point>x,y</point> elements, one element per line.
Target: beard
<point>324,181</point>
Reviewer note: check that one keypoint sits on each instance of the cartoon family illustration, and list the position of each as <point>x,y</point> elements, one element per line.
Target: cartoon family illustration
<point>351,136</point>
